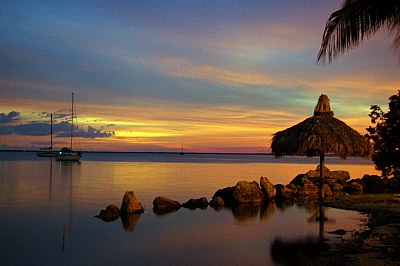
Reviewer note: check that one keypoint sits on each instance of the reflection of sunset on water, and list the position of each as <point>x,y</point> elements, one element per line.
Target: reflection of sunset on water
<point>47,194</point>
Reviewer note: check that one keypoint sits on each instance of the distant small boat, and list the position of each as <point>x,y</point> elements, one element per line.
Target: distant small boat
<point>68,154</point>
<point>48,152</point>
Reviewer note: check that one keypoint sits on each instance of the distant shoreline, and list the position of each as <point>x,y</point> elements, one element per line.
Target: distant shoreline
<point>157,152</point>
<point>186,153</point>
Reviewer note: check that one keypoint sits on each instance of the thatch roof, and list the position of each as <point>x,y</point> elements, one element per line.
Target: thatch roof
<point>321,133</point>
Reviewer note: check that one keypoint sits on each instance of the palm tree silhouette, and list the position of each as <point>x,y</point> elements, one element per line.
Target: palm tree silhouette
<point>355,21</point>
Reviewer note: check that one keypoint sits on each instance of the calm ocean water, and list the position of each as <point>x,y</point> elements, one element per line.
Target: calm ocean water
<point>48,209</point>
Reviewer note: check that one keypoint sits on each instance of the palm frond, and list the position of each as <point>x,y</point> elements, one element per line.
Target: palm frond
<point>355,21</point>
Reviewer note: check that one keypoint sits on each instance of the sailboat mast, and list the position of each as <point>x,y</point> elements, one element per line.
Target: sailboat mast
<point>51,132</point>
<point>72,117</point>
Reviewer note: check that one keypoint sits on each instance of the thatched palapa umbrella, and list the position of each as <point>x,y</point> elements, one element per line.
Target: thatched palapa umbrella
<point>320,134</point>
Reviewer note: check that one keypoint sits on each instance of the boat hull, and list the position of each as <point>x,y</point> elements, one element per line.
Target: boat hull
<point>68,157</point>
<point>47,153</point>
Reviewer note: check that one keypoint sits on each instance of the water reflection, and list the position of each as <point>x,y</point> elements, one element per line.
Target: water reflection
<point>247,212</point>
<point>306,250</point>
<point>67,173</point>
<point>267,211</point>
<point>297,252</point>
<point>49,207</point>
<point>320,218</point>
<point>63,236</point>
<point>50,183</point>
<point>284,205</point>
<point>129,221</point>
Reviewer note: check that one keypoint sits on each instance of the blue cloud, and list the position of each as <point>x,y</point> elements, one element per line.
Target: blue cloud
<point>12,116</point>
<point>64,129</point>
<point>61,129</point>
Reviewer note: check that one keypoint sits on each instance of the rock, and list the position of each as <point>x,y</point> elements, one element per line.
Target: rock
<point>268,189</point>
<point>217,202</point>
<point>226,195</point>
<point>355,186</point>
<point>335,187</point>
<point>111,213</point>
<point>394,184</point>
<point>247,192</point>
<point>326,191</point>
<point>307,188</point>
<point>164,205</point>
<point>340,175</point>
<point>340,232</point>
<point>130,204</point>
<point>299,180</point>
<point>327,172</point>
<point>284,192</point>
<point>372,184</point>
<point>304,186</point>
<point>314,175</point>
<point>196,203</point>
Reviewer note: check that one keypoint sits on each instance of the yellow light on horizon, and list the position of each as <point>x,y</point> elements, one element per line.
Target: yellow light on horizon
<point>144,134</point>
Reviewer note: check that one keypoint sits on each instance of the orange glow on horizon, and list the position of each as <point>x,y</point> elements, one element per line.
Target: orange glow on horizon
<point>210,130</point>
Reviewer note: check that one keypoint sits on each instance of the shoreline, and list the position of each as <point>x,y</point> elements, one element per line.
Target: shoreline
<point>380,243</point>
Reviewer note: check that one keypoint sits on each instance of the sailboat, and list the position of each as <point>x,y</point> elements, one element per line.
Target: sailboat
<point>67,154</point>
<point>48,152</point>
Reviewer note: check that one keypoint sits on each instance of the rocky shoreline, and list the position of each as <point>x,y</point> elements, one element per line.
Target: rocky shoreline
<point>371,195</point>
<point>380,244</point>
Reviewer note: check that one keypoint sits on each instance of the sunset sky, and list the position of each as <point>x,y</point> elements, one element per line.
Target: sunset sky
<point>217,76</point>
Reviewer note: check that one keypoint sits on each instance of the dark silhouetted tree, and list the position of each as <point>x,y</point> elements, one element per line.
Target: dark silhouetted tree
<point>385,136</point>
<point>356,21</point>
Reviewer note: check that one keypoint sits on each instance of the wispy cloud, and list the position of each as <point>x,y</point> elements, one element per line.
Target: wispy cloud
<point>220,76</point>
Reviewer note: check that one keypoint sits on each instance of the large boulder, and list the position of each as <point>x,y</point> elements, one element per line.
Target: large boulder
<point>196,203</point>
<point>284,193</point>
<point>372,184</point>
<point>164,205</point>
<point>335,187</point>
<point>340,175</point>
<point>326,191</point>
<point>315,174</point>
<point>247,192</point>
<point>394,184</point>
<point>111,213</point>
<point>130,204</point>
<point>299,180</point>
<point>353,186</point>
<point>217,203</point>
<point>268,189</point>
<point>304,186</point>
<point>226,195</point>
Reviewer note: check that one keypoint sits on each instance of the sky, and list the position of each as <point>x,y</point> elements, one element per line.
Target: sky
<point>211,76</point>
